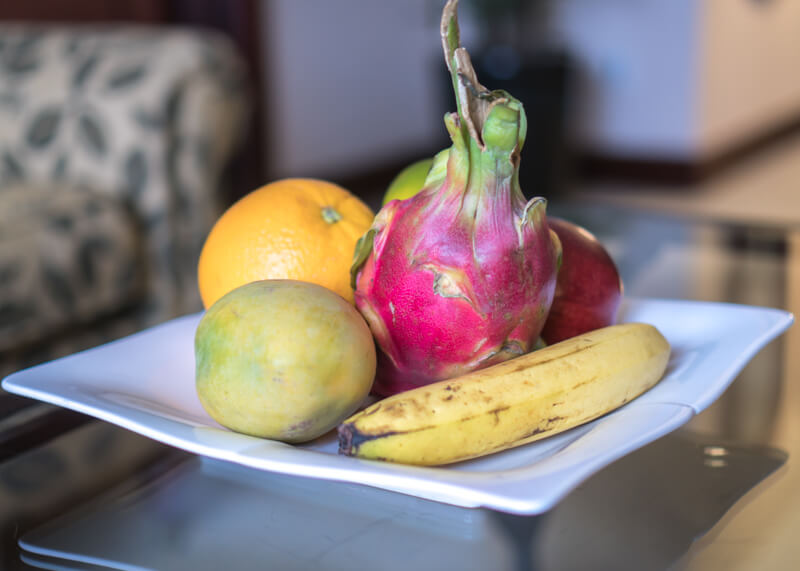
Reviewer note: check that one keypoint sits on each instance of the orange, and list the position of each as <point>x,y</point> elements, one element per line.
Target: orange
<point>299,229</point>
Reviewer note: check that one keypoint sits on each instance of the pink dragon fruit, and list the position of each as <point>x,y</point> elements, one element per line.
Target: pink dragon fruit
<point>462,275</point>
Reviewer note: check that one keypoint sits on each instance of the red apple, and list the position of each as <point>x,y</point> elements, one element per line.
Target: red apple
<point>588,288</point>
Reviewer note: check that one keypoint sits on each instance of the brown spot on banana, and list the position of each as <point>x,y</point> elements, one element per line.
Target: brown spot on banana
<point>496,412</point>
<point>583,383</point>
<point>372,410</point>
<point>523,366</point>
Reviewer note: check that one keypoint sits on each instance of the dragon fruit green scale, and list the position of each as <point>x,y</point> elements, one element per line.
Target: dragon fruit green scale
<point>461,275</point>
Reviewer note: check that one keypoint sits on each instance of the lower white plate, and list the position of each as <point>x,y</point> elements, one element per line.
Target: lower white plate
<point>145,383</point>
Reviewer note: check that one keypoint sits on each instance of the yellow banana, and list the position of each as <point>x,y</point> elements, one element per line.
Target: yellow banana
<point>518,401</point>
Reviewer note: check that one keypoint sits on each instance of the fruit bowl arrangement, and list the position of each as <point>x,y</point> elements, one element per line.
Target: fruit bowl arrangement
<point>458,327</point>
<point>490,325</point>
<point>457,273</point>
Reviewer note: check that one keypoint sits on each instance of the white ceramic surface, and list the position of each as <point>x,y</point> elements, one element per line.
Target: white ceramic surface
<point>145,383</point>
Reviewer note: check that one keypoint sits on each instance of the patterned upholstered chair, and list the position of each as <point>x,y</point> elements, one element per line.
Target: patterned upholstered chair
<point>113,146</point>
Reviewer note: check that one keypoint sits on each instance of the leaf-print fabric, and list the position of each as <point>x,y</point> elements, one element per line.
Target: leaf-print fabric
<point>136,122</point>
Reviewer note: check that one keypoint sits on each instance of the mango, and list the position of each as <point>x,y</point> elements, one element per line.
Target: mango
<point>282,359</point>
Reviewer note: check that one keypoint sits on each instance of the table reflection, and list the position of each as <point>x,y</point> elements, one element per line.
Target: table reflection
<point>642,512</point>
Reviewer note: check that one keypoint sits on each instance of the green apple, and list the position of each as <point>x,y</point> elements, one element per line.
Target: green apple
<point>408,181</point>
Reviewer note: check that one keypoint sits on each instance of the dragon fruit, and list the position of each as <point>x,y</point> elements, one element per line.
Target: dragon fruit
<point>462,275</point>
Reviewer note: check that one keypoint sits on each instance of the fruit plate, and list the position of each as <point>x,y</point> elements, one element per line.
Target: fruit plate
<point>145,383</point>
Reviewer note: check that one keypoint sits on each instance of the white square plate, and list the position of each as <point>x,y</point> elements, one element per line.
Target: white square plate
<point>145,383</point>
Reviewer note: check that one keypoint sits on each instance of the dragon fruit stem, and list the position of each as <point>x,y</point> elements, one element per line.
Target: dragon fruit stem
<point>488,130</point>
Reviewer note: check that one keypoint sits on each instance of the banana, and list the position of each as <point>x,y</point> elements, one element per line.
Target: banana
<point>512,403</point>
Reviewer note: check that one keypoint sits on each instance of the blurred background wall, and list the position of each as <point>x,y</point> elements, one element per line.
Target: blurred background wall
<point>351,84</point>
<point>353,89</point>
<point>683,79</point>
<point>747,74</point>
<point>356,85</point>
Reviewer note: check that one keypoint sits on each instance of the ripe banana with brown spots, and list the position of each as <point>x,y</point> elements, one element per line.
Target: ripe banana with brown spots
<point>512,403</point>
